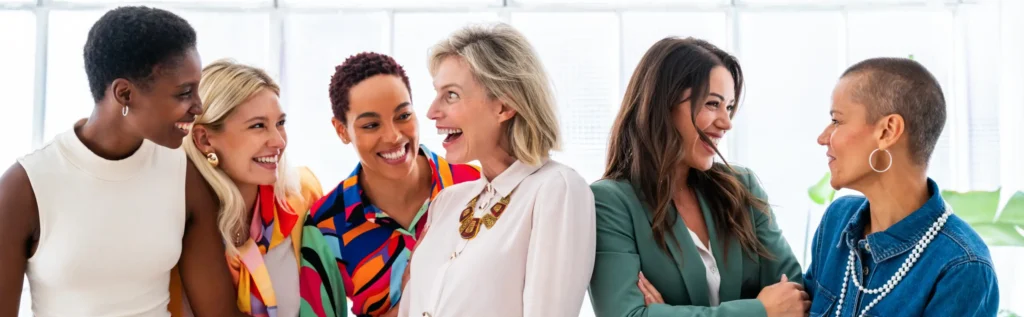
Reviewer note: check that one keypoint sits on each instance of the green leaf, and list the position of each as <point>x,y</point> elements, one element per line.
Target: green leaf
<point>974,207</point>
<point>822,192</point>
<point>1014,210</point>
<point>999,234</point>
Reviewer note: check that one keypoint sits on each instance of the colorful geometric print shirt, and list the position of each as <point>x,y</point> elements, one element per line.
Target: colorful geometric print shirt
<point>371,249</point>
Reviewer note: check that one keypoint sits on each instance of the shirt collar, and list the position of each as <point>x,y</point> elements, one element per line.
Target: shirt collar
<point>354,190</point>
<point>509,179</point>
<point>900,237</point>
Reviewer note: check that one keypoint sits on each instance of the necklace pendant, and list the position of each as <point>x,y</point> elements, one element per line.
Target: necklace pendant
<point>489,220</point>
<point>499,208</point>
<point>466,213</point>
<point>469,228</point>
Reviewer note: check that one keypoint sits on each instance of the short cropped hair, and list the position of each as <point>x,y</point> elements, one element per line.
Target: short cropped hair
<point>505,63</point>
<point>128,42</point>
<point>356,69</point>
<point>889,85</point>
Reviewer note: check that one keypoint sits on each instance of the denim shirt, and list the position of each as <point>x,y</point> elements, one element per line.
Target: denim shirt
<point>954,275</point>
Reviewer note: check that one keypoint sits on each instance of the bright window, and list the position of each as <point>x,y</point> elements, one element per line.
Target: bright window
<point>67,87</point>
<point>390,3</point>
<point>621,3</point>
<point>792,53</point>
<point>313,45</point>
<point>574,50</point>
<point>788,94</point>
<point>18,84</point>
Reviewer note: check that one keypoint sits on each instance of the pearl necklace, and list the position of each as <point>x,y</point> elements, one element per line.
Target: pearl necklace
<point>896,277</point>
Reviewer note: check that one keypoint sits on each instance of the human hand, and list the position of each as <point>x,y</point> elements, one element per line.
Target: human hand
<point>651,295</point>
<point>784,299</point>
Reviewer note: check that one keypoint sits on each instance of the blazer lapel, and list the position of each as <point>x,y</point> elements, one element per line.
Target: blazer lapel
<point>729,261</point>
<point>687,260</point>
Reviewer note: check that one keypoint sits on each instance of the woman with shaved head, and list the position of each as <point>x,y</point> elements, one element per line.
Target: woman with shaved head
<point>898,250</point>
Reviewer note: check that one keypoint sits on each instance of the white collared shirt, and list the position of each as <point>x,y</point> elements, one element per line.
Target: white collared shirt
<point>710,268</point>
<point>535,261</point>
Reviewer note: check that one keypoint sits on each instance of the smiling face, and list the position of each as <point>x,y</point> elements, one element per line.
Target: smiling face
<point>465,113</point>
<point>251,140</point>
<point>714,118</point>
<point>163,109</point>
<point>381,124</point>
<point>850,138</point>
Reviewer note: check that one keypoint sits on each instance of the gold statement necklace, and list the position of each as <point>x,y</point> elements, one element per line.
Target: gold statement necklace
<point>470,226</point>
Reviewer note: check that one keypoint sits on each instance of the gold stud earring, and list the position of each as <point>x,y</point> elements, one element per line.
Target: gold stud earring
<point>212,159</point>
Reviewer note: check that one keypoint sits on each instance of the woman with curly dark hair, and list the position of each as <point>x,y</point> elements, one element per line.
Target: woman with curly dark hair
<point>375,216</point>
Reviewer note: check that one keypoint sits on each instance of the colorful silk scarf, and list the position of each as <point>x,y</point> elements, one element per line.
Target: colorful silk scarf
<point>319,278</point>
<point>273,222</point>
<point>372,249</point>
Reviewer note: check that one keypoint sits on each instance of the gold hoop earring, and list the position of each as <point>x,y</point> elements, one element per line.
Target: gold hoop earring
<point>213,159</point>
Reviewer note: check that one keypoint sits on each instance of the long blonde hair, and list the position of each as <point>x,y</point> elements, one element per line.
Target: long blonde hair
<point>224,85</point>
<point>506,64</point>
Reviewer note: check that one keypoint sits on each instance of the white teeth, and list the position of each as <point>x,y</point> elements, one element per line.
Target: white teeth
<point>267,159</point>
<point>397,154</point>
<point>446,131</point>
<point>187,126</point>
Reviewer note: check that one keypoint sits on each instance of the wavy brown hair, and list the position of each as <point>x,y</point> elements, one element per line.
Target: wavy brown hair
<point>646,147</point>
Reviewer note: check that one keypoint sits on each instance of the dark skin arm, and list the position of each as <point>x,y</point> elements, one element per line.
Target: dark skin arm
<point>204,272</point>
<point>205,275</point>
<point>19,233</point>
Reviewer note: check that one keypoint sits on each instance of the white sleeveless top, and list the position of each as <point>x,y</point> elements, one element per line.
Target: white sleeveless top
<point>110,231</point>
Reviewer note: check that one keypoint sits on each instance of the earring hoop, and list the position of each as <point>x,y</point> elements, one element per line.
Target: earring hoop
<point>871,161</point>
<point>212,159</point>
<point>124,111</point>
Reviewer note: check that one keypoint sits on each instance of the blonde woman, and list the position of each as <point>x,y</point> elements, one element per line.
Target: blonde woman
<point>238,144</point>
<point>520,240</point>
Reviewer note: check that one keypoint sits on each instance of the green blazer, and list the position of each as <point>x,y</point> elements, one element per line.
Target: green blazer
<point>626,246</point>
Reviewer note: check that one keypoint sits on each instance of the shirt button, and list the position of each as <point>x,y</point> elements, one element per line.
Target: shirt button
<point>865,271</point>
<point>868,247</point>
<point>426,314</point>
<point>452,258</point>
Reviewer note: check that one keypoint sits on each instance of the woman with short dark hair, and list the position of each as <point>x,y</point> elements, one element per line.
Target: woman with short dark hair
<point>887,115</point>
<point>99,216</point>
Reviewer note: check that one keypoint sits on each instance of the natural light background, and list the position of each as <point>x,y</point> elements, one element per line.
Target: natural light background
<point>792,51</point>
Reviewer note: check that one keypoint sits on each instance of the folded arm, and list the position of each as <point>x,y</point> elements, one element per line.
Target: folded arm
<point>613,287</point>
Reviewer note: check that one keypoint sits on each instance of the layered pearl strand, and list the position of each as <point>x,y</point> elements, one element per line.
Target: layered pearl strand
<point>898,276</point>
